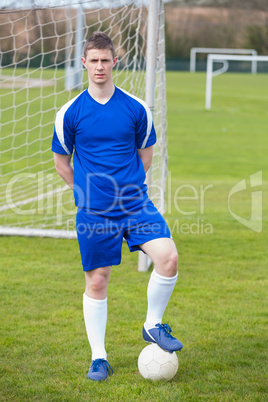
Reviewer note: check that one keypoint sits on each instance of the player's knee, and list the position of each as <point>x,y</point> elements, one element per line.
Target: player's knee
<point>170,266</point>
<point>173,263</point>
<point>96,284</point>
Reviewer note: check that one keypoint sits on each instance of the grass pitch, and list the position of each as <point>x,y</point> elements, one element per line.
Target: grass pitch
<point>218,308</point>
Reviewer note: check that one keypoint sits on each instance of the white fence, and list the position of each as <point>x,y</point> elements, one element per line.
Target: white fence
<point>223,58</point>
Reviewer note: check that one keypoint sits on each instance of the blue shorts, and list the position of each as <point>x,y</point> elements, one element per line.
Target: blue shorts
<point>100,237</point>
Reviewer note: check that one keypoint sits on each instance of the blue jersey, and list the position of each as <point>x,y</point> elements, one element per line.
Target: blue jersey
<point>108,172</point>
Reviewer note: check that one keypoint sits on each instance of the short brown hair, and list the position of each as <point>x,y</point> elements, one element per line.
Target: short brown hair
<point>99,40</point>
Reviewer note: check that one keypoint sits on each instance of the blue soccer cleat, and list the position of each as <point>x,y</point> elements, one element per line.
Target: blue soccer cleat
<point>99,370</point>
<point>160,334</point>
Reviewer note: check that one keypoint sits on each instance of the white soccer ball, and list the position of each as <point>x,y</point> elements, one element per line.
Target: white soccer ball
<point>156,364</point>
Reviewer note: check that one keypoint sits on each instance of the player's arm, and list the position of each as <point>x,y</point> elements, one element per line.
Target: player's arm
<point>146,155</point>
<point>64,168</point>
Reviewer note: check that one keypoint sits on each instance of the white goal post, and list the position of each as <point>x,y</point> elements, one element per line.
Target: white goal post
<point>224,59</point>
<point>38,51</point>
<point>209,50</point>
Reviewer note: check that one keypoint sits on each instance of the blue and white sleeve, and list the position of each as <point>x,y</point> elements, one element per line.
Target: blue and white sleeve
<point>145,132</point>
<point>63,137</point>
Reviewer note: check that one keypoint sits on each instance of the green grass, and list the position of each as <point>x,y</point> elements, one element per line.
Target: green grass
<point>218,308</point>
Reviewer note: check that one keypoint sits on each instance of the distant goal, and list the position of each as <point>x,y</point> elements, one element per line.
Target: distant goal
<point>224,59</point>
<point>209,50</point>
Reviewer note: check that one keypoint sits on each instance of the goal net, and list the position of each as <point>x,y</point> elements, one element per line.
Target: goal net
<point>40,70</point>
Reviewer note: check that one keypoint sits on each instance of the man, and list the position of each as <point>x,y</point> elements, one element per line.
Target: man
<point>113,136</point>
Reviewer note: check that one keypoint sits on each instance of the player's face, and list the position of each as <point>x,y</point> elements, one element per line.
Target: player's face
<point>99,64</point>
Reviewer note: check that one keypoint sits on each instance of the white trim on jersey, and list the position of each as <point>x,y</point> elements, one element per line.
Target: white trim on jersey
<point>60,120</point>
<point>148,113</point>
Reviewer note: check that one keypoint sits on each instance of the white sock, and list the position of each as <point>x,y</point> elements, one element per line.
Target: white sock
<point>159,291</point>
<point>95,315</point>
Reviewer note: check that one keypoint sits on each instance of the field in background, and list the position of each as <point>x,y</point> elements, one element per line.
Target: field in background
<point>218,306</point>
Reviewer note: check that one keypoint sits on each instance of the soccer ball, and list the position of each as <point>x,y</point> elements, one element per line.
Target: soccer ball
<point>156,364</point>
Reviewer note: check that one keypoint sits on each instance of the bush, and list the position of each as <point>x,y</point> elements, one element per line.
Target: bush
<point>257,36</point>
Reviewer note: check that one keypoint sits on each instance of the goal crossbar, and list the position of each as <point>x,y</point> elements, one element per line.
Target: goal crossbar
<point>224,59</point>
<point>209,50</point>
